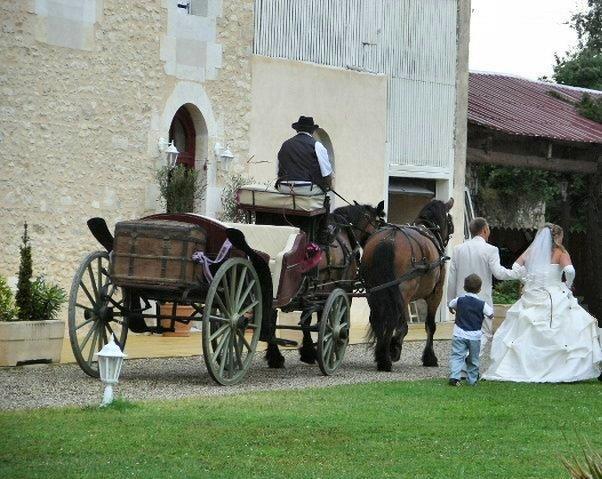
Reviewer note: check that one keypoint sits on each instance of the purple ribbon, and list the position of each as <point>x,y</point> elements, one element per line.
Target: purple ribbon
<point>201,258</point>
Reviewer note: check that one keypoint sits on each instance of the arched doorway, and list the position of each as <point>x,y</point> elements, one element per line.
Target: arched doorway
<point>183,134</point>
<point>188,131</point>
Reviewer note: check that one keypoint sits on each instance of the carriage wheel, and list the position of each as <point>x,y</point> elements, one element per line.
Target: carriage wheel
<point>232,321</point>
<point>333,336</point>
<point>97,309</point>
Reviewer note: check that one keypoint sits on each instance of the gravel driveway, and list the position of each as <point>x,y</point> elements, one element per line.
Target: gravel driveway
<point>44,385</point>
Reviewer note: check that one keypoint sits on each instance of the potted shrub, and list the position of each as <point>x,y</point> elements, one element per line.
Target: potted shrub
<point>505,294</point>
<point>180,188</point>
<point>230,211</point>
<point>29,328</point>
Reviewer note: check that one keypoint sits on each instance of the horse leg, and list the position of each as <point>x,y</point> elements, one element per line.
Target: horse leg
<point>397,340</point>
<point>382,353</point>
<point>429,359</point>
<point>307,351</point>
<point>273,355</point>
<point>382,334</point>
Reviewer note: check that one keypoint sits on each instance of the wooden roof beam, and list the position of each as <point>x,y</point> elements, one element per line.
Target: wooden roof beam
<point>475,155</point>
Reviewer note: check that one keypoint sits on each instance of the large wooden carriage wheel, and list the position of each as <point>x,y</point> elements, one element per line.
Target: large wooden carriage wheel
<point>97,309</point>
<point>333,335</point>
<point>232,321</point>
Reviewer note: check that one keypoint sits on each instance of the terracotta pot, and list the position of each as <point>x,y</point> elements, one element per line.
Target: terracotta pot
<point>181,329</point>
<point>28,341</point>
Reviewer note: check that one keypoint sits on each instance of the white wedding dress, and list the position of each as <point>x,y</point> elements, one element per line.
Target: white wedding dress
<point>546,336</point>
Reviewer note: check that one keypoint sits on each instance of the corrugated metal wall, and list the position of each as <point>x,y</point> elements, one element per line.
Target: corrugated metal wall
<point>412,41</point>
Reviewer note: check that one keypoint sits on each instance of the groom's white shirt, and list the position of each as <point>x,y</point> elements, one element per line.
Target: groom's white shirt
<point>476,256</point>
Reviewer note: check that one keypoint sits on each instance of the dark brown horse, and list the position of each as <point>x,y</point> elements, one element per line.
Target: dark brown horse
<point>346,230</point>
<point>401,264</point>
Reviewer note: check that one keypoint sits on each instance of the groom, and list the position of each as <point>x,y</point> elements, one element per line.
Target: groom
<point>476,256</point>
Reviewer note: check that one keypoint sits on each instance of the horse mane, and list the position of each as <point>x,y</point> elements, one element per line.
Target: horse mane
<point>434,212</point>
<point>353,213</point>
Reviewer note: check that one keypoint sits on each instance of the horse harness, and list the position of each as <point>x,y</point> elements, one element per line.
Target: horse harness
<point>430,231</point>
<point>331,236</point>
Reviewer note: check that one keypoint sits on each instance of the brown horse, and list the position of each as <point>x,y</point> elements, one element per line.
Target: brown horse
<point>346,230</point>
<point>401,264</point>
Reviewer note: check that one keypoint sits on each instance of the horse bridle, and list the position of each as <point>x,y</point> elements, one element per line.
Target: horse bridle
<point>435,229</point>
<point>376,223</point>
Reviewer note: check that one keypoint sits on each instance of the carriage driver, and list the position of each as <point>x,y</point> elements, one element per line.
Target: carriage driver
<point>303,164</point>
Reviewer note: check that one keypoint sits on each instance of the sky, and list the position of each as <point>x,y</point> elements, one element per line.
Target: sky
<point>520,36</point>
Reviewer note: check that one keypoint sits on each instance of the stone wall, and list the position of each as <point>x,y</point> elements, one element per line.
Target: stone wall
<point>85,94</point>
<point>231,90</point>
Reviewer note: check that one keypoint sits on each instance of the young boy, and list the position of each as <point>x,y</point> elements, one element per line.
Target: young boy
<point>470,312</point>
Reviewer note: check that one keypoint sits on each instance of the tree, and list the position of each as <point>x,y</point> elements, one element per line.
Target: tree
<point>24,294</point>
<point>588,25</point>
<point>583,67</point>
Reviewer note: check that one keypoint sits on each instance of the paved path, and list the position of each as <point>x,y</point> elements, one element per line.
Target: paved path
<point>157,346</point>
<point>45,385</point>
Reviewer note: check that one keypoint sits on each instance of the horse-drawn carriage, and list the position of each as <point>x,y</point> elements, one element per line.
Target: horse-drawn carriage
<point>233,276</point>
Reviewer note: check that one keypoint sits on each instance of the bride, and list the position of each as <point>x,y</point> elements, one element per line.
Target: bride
<point>546,336</point>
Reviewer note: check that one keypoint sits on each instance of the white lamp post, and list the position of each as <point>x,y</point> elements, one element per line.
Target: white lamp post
<point>110,360</point>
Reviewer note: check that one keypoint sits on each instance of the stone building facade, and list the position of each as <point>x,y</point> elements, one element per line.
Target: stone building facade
<point>87,88</point>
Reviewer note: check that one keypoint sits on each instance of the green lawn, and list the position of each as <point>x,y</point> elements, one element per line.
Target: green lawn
<point>422,429</point>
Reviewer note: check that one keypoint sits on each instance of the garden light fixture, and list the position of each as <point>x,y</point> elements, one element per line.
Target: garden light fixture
<point>110,360</point>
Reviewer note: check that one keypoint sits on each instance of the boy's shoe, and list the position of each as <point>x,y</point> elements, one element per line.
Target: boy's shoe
<point>455,382</point>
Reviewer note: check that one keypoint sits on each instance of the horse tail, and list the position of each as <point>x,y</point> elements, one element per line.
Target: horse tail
<point>386,305</point>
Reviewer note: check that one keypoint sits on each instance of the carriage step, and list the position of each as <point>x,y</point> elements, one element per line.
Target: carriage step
<point>286,342</point>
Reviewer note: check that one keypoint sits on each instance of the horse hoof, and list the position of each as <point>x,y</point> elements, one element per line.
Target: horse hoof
<point>429,359</point>
<point>395,354</point>
<point>384,367</point>
<point>430,363</point>
<point>307,354</point>
<point>275,362</point>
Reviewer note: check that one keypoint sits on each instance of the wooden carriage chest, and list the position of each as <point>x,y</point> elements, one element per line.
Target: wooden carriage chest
<point>156,254</point>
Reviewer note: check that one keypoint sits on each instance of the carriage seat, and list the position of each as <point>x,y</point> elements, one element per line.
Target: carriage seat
<point>275,241</point>
<point>257,195</point>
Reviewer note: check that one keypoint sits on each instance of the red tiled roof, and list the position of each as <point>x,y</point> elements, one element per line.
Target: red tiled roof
<point>525,107</point>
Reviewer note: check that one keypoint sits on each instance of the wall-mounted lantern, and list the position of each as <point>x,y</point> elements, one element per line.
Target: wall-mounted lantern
<point>169,150</point>
<point>224,156</point>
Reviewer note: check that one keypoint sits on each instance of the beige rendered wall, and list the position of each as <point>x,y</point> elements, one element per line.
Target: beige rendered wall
<point>350,106</point>
<point>86,90</point>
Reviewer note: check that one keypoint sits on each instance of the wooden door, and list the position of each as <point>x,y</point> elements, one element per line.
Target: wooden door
<point>183,134</point>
